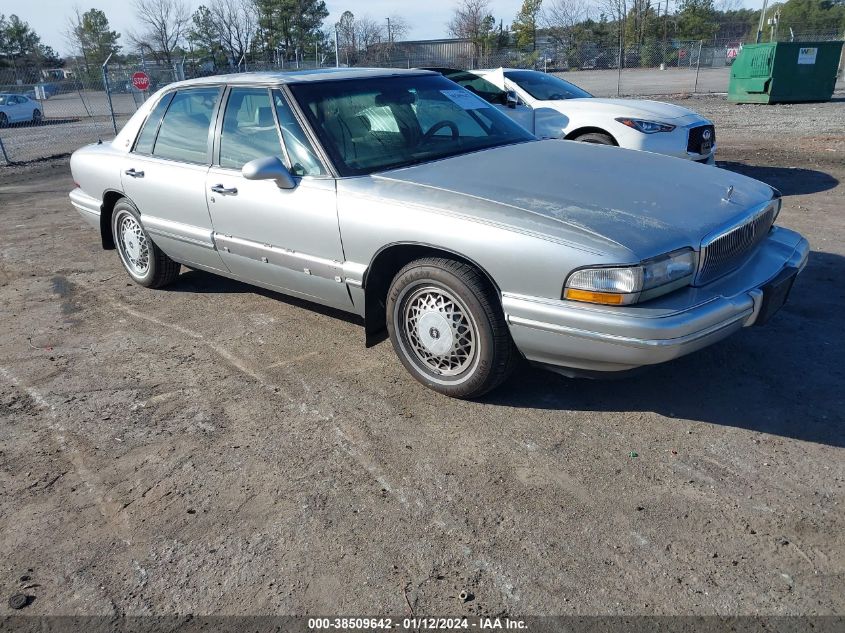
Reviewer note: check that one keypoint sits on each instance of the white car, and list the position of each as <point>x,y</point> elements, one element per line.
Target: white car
<point>553,108</point>
<point>17,109</point>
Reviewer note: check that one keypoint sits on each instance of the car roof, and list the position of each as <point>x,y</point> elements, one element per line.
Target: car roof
<point>300,76</point>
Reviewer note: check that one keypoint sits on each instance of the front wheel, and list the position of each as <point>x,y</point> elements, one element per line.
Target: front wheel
<point>4,120</point>
<point>448,329</point>
<point>36,116</point>
<point>143,260</point>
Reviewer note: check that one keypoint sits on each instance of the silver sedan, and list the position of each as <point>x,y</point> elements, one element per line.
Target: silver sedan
<point>405,199</point>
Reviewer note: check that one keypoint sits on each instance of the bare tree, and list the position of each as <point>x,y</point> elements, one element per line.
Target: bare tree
<point>617,11</point>
<point>561,17</point>
<point>164,23</point>
<point>472,20</point>
<point>468,19</point>
<point>235,21</point>
<point>398,28</point>
<point>346,42</point>
<point>368,32</point>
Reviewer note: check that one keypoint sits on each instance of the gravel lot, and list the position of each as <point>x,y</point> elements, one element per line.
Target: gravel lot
<point>212,448</point>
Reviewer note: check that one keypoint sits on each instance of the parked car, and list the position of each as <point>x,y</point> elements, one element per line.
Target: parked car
<point>505,100</point>
<point>561,109</point>
<point>595,58</point>
<point>408,200</point>
<point>17,109</point>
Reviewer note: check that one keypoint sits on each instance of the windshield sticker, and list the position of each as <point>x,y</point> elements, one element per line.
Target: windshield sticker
<point>465,99</point>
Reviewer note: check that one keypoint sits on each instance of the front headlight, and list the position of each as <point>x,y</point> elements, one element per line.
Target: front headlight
<point>646,127</point>
<point>624,285</point>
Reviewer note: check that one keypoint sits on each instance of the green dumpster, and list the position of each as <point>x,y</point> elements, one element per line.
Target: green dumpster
<point>780,72</point>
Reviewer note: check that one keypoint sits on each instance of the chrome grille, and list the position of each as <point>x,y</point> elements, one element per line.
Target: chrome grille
<point>726,251</point>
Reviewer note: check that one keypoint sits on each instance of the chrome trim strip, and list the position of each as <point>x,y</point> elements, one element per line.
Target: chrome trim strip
<point>626,340</point>
<point>354,273</point>
<point>285,258</point>
<point>187,233</point>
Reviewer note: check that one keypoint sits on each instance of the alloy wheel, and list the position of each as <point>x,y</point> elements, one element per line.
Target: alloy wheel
<point>438,331</point>
<point>132,244</point>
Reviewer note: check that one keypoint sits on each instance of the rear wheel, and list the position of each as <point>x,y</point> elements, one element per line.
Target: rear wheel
<point>448,329</point>
<point>598,138</point>
<point>143,260</point>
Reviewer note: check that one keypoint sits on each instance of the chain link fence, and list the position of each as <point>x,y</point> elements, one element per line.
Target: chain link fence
<point>77,105</point>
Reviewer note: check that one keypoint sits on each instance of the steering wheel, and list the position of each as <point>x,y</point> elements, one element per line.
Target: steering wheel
<point>434,129</point>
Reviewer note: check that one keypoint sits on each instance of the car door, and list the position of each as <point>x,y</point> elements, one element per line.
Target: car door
<point>17,111</point>
<point>549,121</point>
<point>164,175</point>
<point>286,239</point>
<point>27,106</point>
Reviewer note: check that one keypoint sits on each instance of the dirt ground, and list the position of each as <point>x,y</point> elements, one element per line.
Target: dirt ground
<point>215,449</point>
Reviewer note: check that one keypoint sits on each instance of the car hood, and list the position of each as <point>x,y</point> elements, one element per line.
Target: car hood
<point>616,201</point>
<point>640,108</point>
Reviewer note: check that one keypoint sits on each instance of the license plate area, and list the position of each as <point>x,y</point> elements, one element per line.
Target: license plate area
<point>775,294</point>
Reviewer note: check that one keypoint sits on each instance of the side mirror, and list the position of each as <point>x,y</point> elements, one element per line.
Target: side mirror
<point>512,99</point>
<point>270,168</point>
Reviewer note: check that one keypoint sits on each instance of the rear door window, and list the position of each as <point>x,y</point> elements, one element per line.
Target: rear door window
<point>183,135</point>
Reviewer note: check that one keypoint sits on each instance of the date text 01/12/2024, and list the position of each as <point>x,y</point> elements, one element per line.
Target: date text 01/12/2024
<point>416,623</point>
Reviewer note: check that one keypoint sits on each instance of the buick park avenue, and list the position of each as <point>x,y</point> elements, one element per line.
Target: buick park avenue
<point>409,201</point>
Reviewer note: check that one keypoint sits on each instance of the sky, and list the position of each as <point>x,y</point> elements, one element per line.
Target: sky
<point>427,18</point>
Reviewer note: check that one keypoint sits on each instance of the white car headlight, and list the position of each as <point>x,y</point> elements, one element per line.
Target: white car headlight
<point>646,127</point>
<point>624,285</point>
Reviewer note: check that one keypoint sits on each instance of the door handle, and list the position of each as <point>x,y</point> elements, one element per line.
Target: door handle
<point>133,173</point>
<point>224,191</point>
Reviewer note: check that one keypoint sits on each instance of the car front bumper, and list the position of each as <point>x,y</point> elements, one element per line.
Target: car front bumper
<point>672,143</point>
<point>584,338</point>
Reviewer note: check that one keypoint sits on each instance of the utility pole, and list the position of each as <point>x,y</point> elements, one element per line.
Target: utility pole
<point>762,21</point>
<point>665,26</point>
<point>389,39</point>
<point>336,49</point>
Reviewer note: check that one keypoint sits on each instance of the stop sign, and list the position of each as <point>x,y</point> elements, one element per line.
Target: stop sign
<point>141,81</point>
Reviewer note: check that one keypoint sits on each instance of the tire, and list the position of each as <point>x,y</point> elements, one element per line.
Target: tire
<point>145,262</point>
<point>36,116</point>
<point>4,120</point>
<point>434,296</point>
<point>598,138</point>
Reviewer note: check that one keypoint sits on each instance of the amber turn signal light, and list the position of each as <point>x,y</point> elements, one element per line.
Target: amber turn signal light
<point>607,298</point>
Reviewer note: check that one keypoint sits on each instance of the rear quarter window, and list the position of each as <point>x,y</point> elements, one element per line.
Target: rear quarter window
<point>147,138</point>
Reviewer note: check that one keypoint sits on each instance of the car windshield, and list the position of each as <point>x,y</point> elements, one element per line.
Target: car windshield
<point>476,84</point>
<point>545,87</point>
<point>370,125</point>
